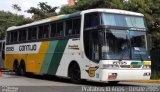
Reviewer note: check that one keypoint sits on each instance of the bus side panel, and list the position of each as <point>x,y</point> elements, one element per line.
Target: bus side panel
<point>71,53</point>
<point>35,61</point>
<point>10,58</point>
<point>48,57</point>
<point>31,62</point>
<point>53,57</point>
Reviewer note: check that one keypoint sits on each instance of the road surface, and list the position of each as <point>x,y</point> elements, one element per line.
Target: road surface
<point>35,83</point>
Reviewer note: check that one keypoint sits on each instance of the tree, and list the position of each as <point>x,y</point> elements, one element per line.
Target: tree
<point>67,9</point>
<point>42,11</point>
<point>150,8</point>
<point>8,19</point>
<point>16,7</point>
<point>90,4</point>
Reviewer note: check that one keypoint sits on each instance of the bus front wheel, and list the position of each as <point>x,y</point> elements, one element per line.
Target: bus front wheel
<point>74,74</point>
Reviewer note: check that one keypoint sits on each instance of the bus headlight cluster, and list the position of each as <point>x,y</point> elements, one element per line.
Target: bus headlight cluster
<point>147,67</point>
<point>110,66</point>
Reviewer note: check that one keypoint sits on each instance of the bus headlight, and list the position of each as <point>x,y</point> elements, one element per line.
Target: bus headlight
<point>146,66</point>
<point>109,66</point>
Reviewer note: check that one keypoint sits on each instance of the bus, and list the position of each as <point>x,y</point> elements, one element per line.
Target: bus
<point>103,45</point>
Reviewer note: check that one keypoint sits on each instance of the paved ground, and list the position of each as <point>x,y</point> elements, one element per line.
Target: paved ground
<point>53,84</point>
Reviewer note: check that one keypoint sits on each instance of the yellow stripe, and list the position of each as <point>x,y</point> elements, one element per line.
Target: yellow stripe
<point>56,17</point>
<point>42,52</point>
<point>147,62</point>
<point>36,60</point>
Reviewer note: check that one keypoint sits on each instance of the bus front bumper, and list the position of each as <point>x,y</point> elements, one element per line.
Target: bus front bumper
<point>119,75</point>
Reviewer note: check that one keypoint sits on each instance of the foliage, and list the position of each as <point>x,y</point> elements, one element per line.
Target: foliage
<point>90,4</point>
<point>16,7</point>
<point>150,8</point>
<point>155,67</point>
<point>42,11</point>
<point>67,9</point>
<point>8,19</point>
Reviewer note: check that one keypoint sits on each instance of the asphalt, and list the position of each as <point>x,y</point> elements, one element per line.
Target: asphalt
<point>35,83</point>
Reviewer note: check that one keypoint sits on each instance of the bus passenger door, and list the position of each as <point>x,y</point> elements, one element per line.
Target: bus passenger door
<point>92,52</point>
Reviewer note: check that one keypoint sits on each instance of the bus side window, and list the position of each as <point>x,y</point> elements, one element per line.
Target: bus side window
<point>68,30</point>
<point>60,31</point>
<point>76,26</point>
<point>46,31</point>
<point>40,32</point>
<point>91,20</point>
<point>32,33</point>
<point>53,30</point>
<point>8,37</point>
<point>14,36</point>
<point>22,35</point>
<point>29,34</point>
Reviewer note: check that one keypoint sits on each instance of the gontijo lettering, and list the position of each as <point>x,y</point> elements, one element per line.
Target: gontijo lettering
<point>28,47</point>
<point>9,48</point>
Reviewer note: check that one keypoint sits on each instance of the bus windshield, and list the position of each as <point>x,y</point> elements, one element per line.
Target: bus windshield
<point>138,45</point>
<point>122,20</point>
<point>114,44</point>
<point>117,44</point>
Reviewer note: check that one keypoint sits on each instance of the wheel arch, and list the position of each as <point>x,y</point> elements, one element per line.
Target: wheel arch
<point>15,62</point>
<point>22,62</point>
<point>74,62</point>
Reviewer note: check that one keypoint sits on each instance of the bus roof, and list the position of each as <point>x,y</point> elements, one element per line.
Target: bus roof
<point>50,19</point>
<point>114,11</point>
<point>60,17</point>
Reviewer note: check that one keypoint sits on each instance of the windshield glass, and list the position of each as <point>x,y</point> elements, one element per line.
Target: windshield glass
<point>115,44</point>
<point>122,20</point>
<point>138,45</point>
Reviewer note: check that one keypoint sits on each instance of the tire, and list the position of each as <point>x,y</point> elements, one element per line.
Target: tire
<point>22,69</point>
<point>16,68</point>
<point>75,74</point>
<point>113,82</point>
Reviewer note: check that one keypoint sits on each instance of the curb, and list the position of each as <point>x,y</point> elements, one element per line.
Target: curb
<point>144,81</point>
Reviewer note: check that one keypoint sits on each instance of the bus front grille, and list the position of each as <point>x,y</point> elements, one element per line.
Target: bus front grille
<point>130,66</point>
